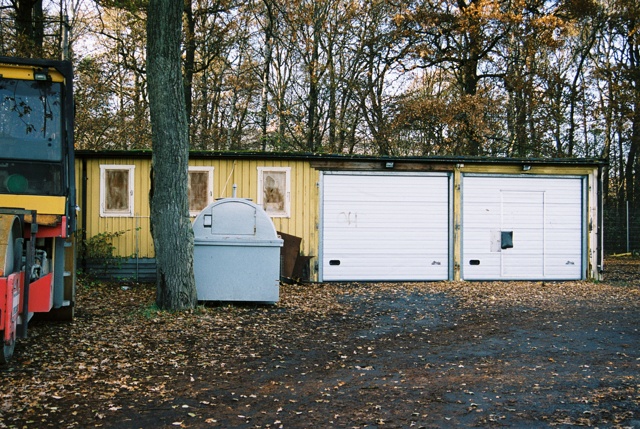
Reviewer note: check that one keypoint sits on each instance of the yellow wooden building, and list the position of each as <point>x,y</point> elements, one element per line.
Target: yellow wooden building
<point>375,219</point>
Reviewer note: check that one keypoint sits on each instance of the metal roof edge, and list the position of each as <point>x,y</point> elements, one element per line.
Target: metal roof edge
<point>145,153</point>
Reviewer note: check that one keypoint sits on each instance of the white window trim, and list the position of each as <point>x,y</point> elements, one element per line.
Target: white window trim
<point>209,185</point>
<point>103,169</point>
<point>287,197</point>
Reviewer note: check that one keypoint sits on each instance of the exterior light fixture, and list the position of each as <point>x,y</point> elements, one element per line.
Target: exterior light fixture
<point>41,75</point>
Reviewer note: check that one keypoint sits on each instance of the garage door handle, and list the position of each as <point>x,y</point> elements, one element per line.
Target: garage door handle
<point>506,239</point>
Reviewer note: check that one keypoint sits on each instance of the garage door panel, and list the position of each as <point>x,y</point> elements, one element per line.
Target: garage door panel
<point>562,222</point>
<point>564,267</point>
<point>357,218</point>
<point>563,241</point>
<point>477,242</point>
<point>525,240</point>
<point>386,241</point>
<point>373,267</point>
<point>522,265</point>
<point>385,227</point>
<point>485,265</point>
<point>512,215</point>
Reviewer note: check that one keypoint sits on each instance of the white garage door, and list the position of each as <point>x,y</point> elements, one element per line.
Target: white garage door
<point>391,227</point>
<point>528,228</point>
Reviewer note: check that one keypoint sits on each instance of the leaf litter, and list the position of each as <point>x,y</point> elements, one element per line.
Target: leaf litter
<point>438,354</point>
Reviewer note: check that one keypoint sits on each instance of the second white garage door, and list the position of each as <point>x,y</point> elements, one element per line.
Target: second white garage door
<point>523,228</point>
<point>393,227</point>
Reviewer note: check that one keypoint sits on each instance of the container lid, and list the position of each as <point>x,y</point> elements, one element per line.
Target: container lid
<point>233,220</point>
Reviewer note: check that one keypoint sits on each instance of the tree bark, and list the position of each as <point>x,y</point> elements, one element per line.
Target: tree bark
<point>170,223</point>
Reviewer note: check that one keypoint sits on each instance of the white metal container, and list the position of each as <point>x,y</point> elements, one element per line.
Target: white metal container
<point>236,253</point>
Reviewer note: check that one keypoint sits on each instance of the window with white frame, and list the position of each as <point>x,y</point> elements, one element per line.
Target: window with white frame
<point>200,189</point>
<point>116,190</point>
<point>274,190</point>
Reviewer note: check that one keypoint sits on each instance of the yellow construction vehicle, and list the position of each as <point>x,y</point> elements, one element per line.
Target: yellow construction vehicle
<point>37,195</point>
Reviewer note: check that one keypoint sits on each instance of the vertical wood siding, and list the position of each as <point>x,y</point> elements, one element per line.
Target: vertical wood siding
<point>136,239</point>
<point>304,194</point>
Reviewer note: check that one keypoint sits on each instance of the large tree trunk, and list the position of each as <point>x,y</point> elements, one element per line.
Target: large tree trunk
<point>170,224</point>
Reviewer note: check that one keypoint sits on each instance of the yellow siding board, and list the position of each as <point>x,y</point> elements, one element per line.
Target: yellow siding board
<point>457,224</point>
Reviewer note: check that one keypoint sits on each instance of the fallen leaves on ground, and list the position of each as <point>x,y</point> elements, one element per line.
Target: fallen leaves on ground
<point>337,354</point>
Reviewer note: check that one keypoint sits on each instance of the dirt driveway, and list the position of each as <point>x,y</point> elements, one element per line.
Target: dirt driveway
<point>430,355</point>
